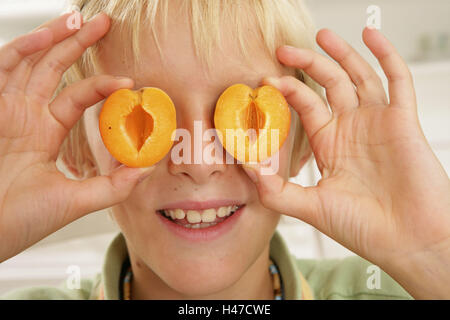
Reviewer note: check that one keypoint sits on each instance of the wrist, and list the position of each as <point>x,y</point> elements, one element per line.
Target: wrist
<point>425,274</point>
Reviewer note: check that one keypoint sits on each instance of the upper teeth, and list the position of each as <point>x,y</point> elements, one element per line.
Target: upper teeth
<point>194,216</point>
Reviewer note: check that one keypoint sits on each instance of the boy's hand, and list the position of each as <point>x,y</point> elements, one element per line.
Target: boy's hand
<point>383,194</point>
<point>35,198</point>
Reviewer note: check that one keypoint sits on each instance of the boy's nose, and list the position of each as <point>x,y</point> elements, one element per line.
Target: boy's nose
<point>201,159</point>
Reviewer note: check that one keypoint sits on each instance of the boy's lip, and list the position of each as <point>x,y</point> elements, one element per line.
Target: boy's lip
<point>206,234</point>
<point>201,205</point>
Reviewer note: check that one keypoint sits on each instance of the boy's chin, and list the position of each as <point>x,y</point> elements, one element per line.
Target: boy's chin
<point>202,282</point>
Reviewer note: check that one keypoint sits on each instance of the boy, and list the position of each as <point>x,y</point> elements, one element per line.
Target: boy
<point>383,194</point>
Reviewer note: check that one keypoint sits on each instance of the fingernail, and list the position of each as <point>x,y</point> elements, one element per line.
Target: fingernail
<point>41,30</point>
<point>251,172</point>
<point>273,81</point>
<point>125,81</point>
<point>95,16</point>
<point>122,78</point>
<point>297,51</point>
<point>290,48</point>
<point>145,172</point>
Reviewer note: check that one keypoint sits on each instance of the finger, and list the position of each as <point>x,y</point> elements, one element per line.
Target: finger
<point>15,51</point>
<point>401,87</point>
<point>368,84</point>
<point>48,71</point>
<point>284,197</point>
<point>70,104</point>
<point>312,110</point>
<point>20,75</point>
<point>339,89</point>
<point>103,192</point>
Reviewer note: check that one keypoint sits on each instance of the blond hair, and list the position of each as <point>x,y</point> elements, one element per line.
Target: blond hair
<point>281,22</point>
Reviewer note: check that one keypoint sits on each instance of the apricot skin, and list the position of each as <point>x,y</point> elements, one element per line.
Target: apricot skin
<point>263,109</point>
<point>137,126</point>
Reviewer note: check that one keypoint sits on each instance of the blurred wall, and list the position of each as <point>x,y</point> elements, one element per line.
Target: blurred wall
<point>419,29</point>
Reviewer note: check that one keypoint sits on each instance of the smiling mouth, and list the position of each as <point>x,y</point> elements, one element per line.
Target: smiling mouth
<point>199,219</point>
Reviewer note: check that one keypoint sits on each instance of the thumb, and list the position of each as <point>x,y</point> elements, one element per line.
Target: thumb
<point>104,191</point>
<point>285,197</point>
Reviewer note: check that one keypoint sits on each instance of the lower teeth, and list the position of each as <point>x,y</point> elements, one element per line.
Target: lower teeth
<point>198,225</point>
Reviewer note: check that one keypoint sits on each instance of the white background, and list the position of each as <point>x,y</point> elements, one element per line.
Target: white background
<point>420,31</point>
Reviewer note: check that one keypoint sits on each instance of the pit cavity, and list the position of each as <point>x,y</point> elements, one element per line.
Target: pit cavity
<point>253,119</point>
<point>139,126</point>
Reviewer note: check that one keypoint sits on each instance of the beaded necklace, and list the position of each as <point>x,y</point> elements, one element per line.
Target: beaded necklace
<point>273,269</point>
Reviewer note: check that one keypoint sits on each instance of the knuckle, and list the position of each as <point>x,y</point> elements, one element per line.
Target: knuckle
<point>9,67</point>
<point>74,102</point>
<point>289,79</point>
<point>29,61</point>
<point>335,80</point>
<point>362,79</point>
<point>56,65</point>
<point>292,83</point>
<point>349,54</point>
<point>397,76</point>
<point>408,74</point>
<point>79,42</point>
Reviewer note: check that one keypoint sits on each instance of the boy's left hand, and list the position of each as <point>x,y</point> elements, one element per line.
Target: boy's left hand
<point>383,193</point>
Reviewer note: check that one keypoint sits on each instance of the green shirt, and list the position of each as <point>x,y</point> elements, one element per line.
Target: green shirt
<point>348,278</point>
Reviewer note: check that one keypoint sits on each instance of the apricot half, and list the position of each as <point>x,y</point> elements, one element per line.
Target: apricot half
<point>252,124</point>
<point>136,126</point>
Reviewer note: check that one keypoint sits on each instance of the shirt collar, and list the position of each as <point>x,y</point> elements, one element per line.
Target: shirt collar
<point>294,284</point>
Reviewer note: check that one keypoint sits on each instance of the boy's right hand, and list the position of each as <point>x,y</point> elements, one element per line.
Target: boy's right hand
<point>35,198</point>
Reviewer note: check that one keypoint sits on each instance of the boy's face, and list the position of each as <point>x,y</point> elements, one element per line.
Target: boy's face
<point>193,261</point>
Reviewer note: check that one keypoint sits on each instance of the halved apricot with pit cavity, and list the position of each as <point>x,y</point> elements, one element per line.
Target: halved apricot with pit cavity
<point>252,124</point>
<point>137,126</point>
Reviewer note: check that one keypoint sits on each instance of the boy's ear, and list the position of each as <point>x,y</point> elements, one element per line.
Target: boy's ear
<point>296,166</point>
<point>88,169</point>
<point>68,165</point>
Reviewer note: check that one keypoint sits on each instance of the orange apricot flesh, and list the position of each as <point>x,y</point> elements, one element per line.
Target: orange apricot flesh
<point>137,126</point>
<point>252,124</point>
